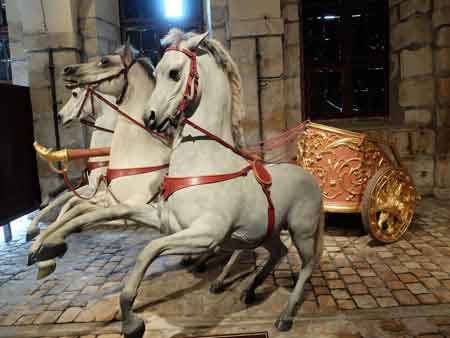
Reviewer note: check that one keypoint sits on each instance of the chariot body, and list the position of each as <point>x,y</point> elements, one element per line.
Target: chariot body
<point>358,173</point>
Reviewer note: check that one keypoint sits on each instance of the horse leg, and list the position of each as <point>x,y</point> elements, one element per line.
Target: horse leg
<point>80,209</point>
<point>193,240</point>
<point>200,263</point>
<point>309,247</point>
<point>53,244</point>
<point>69,205</point>
<point>87,189</point>
<point>277,251</point>
<point>72,213</point>
<point>33,228</point>
<point>218,285</point>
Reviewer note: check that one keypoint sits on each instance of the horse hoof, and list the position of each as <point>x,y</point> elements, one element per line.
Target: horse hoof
<point>46,268</point>
<point>248,297</point>
<point>31,259</point>
<point>216,288</point>
<point>47,252</point>
<point>199,268</point>
<point>186,261</point>
<point>133,328</point>
<point>32,234</point>
<point>283,325</point>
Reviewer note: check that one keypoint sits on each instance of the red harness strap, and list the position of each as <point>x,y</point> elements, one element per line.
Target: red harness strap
<point>173,184</point>
<point>112,174</point>
<point>95,165</point>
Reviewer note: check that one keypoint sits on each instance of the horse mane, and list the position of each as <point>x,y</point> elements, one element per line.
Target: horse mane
<point>225,61</point>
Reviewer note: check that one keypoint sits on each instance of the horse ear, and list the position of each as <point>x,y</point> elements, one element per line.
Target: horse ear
<point>128,54</point>
<point>196,40</point>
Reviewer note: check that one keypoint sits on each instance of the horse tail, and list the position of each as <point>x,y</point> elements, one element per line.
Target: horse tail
<point>319,237</point>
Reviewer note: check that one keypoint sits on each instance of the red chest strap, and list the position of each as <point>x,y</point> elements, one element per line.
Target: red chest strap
<point>112,174</point>
<point>95,165</point>
<point>173,184</point>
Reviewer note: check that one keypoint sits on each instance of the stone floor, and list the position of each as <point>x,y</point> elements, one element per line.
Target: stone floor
<point>361,289</point>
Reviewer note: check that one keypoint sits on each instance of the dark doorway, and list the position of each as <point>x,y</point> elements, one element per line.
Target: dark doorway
<point>19,184</point>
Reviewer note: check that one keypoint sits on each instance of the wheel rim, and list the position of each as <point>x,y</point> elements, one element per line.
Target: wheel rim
<point>392,205</point>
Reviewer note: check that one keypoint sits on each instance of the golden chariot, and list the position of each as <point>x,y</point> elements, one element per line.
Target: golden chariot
<point>358,173</point>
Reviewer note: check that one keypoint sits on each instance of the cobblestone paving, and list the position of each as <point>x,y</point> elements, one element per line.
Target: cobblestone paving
<point>360,289</point>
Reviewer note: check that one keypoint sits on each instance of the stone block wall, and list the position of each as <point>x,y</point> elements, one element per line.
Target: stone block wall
<point>99,27</point>
<point>262,36</point>
<point>265,39</point>
<point>420,90</point>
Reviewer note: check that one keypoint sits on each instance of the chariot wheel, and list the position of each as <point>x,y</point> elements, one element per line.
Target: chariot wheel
<point>388,204</point>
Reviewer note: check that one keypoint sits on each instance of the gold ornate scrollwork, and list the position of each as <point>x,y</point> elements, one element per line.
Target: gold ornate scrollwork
<point>342,162</point>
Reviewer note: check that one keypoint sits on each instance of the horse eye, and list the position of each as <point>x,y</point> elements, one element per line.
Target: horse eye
<point>104,61</point>
<point>174,75</point>
<point>75,94</point>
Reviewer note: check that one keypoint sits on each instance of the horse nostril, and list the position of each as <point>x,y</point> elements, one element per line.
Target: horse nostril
<point>68,70</point>
<point>151,120</point>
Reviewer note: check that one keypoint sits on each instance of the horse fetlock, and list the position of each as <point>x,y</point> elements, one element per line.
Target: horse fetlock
<point>248,296</point>
<point>284,324</point>
<point>217,287</point>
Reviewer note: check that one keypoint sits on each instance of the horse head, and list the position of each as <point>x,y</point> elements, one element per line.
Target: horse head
<point>81,106</point>
<point>108,73</point>
<point>177,87</point>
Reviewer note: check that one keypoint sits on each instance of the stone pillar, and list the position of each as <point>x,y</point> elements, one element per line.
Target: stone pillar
<point>99,22</point>
<point>19,62</point>
<point>441,56</point>
<point>39,26</point>
<point>44,25</point>
<point>292,61</point>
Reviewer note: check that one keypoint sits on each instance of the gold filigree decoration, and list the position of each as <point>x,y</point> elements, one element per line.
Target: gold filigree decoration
<point>391,206</point>
<point>341,161</point>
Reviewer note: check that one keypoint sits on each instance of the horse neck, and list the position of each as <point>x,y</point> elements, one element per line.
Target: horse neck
<point>132,145</point>
<point>214,110</point>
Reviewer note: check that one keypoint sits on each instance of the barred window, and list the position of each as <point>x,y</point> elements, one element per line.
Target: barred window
<point>345,57</point>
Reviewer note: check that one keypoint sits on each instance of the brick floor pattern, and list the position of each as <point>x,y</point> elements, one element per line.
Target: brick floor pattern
<point>355,272</point>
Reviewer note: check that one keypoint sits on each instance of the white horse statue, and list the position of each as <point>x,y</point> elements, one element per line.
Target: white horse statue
<point>76,109</point>
<point>214,195</point>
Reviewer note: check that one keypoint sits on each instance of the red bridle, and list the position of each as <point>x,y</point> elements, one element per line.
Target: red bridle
<point>191,89</point>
